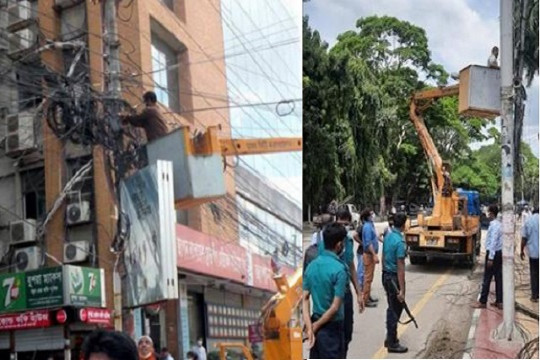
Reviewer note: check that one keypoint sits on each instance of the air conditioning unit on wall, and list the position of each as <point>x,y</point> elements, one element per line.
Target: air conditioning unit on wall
<point>27,259</point>
<point>77,211</point>
<point>19,13</point>
<point>22,231</point>
<point>21,40</point>
<point>20,133</point>
<point>76,251</point>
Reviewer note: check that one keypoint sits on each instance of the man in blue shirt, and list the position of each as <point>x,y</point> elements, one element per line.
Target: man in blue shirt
<point>493,265</point>
<point>529,238</point>
<point>371,249</point>
<point>347,257</point>
<point>393,279</point>
<point>324,281</point>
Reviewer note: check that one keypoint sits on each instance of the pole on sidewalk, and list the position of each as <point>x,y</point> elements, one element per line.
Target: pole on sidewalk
<point>507,166</point>
<point>113,104</point>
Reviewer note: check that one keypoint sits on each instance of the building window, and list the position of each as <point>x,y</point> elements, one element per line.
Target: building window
<point>33,191</point>
<point>165,74</point>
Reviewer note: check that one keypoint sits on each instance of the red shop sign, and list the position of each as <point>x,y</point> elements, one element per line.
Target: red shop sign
<point>25,320</point>
<point>95,316</point>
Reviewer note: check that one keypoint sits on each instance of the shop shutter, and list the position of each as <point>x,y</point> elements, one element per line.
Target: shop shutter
<point>51,338</point>
<point>4,340</point>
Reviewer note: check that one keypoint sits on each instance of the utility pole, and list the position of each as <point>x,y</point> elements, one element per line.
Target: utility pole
<point>507,167</point>
<point>113,92</point>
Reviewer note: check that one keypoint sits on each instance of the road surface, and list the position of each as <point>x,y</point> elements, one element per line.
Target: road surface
<point>439,295</point>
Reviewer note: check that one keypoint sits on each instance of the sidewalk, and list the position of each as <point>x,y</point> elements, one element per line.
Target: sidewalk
<point>481,343</point>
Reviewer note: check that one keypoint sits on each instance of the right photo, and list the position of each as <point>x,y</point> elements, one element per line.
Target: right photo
<point>420,179</point>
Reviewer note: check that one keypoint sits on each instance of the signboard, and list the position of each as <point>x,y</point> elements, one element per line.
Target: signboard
<point>12,292</point>
<point>209,255</point>
<point>255,333</point>
<point>95,316</point>
<point>206,254</point>
<point>44,288</point>
<point>25,320</point>
<point>150,256</point>
<point>52,287</point>
<point>84,286</point>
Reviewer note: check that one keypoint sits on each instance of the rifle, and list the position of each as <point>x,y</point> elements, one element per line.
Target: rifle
<point>405,307</point>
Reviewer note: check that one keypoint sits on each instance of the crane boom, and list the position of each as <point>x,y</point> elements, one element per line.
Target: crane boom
<point>435,160</point>
<point>259,146</point>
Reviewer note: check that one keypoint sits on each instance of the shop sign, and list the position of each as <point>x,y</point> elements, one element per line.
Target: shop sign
<point>44,288</point>
<point>25,320</point>
<point>95,316</point>
<point>84,286</point>
<point>52,287</point>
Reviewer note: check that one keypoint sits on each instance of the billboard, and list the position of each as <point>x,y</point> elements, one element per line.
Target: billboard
<point>147,199</point>
<point>52,287</point>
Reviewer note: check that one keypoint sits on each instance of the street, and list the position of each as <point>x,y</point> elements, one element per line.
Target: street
<point>438,294</point>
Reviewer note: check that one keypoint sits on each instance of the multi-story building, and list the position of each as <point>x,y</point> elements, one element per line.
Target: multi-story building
<point>175,48</point>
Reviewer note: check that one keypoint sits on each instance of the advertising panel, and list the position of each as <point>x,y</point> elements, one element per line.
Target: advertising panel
<point>148,201</point>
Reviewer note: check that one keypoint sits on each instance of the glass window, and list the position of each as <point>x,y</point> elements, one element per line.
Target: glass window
<point>165,74</point>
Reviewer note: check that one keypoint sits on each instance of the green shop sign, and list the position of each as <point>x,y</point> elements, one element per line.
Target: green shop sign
<point>52,287</point>
<point>84,286</point>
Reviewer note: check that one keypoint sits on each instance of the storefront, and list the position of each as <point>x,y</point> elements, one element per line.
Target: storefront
<point>222,288</point>
<point>48,312</point>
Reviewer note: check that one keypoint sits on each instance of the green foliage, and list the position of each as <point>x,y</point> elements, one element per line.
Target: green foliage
<point>358,139</point>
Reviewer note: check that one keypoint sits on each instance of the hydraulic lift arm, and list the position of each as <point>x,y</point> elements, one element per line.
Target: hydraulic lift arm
<point>425,138</point>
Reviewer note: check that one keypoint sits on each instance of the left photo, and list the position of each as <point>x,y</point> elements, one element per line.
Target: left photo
<point>150,179</point>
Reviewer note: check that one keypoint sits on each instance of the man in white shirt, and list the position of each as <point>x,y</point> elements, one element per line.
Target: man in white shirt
<point>492,60</point>
<point>199,349</point>
<point>493,264</point>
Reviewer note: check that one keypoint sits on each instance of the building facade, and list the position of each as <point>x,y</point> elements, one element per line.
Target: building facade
<point>175,48</point>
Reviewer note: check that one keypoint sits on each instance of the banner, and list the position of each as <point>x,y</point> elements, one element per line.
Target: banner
<point>44,288</point>
<point>26,320</point>
<point>148,201</point>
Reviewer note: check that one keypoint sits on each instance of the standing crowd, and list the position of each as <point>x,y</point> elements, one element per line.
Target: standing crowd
<point>330,270</point>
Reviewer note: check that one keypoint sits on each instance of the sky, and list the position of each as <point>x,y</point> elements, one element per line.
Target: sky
<point>460,32</point>
<point>263,48</point>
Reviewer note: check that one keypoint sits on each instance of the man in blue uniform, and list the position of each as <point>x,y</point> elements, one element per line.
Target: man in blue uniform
<point>325,281</point>
<point>347,257</point>
<point>393,279</point>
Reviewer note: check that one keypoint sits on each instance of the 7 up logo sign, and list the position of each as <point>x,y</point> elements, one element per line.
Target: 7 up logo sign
<point>12,292</point>
<point>13,286</point>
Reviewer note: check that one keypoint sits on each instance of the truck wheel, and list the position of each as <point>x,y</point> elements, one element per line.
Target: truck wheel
<point>417,260</point>
<point>471,260</point>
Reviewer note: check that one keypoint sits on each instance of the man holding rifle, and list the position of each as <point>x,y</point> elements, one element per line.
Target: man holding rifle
<point>393,278</point>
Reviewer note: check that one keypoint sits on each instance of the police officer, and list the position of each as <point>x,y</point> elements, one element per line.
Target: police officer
<point>325,280</point>
<point>393,278</point>
<point>347,257</point>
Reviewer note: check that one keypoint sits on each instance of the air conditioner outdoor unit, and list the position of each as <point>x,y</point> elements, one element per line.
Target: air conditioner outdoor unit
<point>76,251</point>
<point>27,259</point>
<point>22,231</point>
<point>21,40</point>
<point>78,212</point>
<point>20,133</point>
<point>20,12</point>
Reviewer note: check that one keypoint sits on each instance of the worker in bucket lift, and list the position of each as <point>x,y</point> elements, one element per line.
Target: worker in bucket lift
<point>150,119</point>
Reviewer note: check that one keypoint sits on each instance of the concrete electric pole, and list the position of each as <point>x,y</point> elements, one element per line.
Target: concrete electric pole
<point>507,167</point>
<point>113,93</point>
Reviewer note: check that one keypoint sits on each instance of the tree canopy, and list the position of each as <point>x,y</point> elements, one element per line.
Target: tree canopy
<point>358,139</point>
